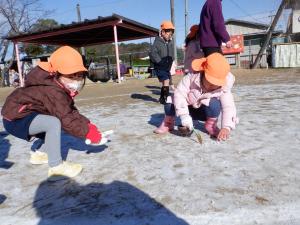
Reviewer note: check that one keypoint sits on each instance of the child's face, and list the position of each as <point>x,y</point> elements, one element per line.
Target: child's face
<point>73,81</point>
<point>209,87</point>
<point>167,34</point>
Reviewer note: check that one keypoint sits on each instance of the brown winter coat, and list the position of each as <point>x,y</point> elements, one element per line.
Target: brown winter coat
<point>44,94</point>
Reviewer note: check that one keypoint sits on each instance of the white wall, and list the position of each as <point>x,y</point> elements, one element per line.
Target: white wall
<point>287,55</point>
<point>296,21</point>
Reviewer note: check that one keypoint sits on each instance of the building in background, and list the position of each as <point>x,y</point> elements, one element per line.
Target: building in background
<point>254,36</point>
<point>288,54</point>
<point>293,29</point>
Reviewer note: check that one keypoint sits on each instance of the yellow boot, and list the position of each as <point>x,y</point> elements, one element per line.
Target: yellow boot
<point>38,158</point>
<point>64,170</point>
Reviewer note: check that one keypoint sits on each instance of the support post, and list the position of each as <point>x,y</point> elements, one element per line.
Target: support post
<point>79,20</point>
<point>117,53</point>
<point>238,60</point>
<point>174,36</point>
<point>19,64</point>
<point>186,16</point>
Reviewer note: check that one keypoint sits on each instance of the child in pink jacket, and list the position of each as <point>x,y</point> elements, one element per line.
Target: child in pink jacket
<point>204,95</point>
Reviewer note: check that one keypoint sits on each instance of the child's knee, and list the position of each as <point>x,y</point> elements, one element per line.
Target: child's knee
<point>54,122</point>
<point>214,108</point>
<point>169,109</point>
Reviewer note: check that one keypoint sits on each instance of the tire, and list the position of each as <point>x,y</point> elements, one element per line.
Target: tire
<point>93,79</point>
<point>104,80</point>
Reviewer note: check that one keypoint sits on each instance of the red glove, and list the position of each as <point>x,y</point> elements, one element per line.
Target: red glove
<point>94,135</point>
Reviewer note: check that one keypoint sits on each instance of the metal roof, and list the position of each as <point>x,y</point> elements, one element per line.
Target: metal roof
<point>89,32</point>
<point>260,35</point>
<point>293,4</point>
<point>247,24</point>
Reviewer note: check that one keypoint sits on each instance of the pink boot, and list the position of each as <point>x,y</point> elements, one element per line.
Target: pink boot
<point>211,126</point>
<point>166,125</point>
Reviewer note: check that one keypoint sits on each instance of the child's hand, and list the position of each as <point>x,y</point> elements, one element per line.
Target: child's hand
<point>223,134</point>
<point>94,135</point>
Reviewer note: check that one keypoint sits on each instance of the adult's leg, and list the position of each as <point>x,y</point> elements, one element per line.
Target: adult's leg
<point>51,126</point>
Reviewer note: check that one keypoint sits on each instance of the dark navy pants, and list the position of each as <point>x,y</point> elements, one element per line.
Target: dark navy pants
<point>162,75</point>
<point>202,113</point>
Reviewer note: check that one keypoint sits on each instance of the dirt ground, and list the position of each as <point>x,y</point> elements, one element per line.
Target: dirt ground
<point>141,178</point>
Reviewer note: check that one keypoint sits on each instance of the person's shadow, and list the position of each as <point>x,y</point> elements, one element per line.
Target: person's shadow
<point>154,90</point>
<point>70,142</point>
<point>4,150</point>
<point>2,198</point>
<point>119,203</point>
<point>143,97</point>
<point>156,119</point>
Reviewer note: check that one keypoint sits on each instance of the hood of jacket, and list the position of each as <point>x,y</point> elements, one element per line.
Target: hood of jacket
<point>38,76</point>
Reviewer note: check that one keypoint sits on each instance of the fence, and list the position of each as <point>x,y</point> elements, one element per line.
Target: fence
<point>245,61</point>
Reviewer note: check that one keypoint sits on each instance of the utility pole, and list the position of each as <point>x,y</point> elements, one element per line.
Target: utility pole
<point>269,34</point>
<point>79,20</point>
<point>174,36</point>
<point>186,18</point>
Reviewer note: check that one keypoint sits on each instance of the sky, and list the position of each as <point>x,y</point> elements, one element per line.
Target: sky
<point>153,12</point>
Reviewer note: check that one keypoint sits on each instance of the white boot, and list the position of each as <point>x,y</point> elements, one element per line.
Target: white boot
<point>38,158</point>
<point>64,170</point>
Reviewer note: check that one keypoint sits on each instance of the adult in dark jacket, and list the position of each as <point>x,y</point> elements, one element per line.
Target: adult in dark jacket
<point>162,57</point>
<point>45,105</point>
<point>212,30</point>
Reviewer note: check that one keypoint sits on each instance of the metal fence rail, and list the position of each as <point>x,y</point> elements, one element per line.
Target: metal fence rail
<point>247,60</point>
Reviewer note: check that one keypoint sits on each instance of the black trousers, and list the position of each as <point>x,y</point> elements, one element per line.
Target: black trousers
<point>210,50</point>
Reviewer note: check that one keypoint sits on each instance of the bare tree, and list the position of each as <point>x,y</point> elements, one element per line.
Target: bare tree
<point>17,16</point>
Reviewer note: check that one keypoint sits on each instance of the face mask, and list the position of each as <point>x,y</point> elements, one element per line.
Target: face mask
<point>74,86</point>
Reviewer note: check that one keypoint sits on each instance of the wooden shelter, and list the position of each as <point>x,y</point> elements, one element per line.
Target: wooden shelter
<point>111,29</point>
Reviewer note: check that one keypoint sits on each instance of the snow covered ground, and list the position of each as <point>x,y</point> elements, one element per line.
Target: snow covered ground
<point>140,178</point>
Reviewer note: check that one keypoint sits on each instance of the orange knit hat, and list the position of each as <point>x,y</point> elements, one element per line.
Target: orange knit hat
<point>167,25</point>
<point>65,60</point>
<point>215,67</point>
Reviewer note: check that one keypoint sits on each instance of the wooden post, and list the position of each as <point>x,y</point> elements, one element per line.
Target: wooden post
<point>269,34</point>
<point>238,60</point>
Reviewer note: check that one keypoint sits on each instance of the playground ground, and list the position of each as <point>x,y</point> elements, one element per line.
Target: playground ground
<point>140,178</point>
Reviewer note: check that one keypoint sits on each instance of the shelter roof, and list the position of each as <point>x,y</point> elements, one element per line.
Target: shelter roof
<point>89,32</point>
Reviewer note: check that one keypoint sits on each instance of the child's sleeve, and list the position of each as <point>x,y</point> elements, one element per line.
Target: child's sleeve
<point>180,96</point>
<point>228,111</point>
<point>229,117</point>
<point>154,53</point>
<point>72,121</point>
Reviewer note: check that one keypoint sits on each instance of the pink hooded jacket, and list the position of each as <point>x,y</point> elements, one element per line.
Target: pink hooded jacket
<point>189,92</point>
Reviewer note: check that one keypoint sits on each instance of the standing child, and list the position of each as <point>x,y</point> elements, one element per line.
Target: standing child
<point>123,70</point>
<point>45,105</point>
<point>192,49</point>
<point>162,56</point>
<point>203,95</point>
<point>212,28</point>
